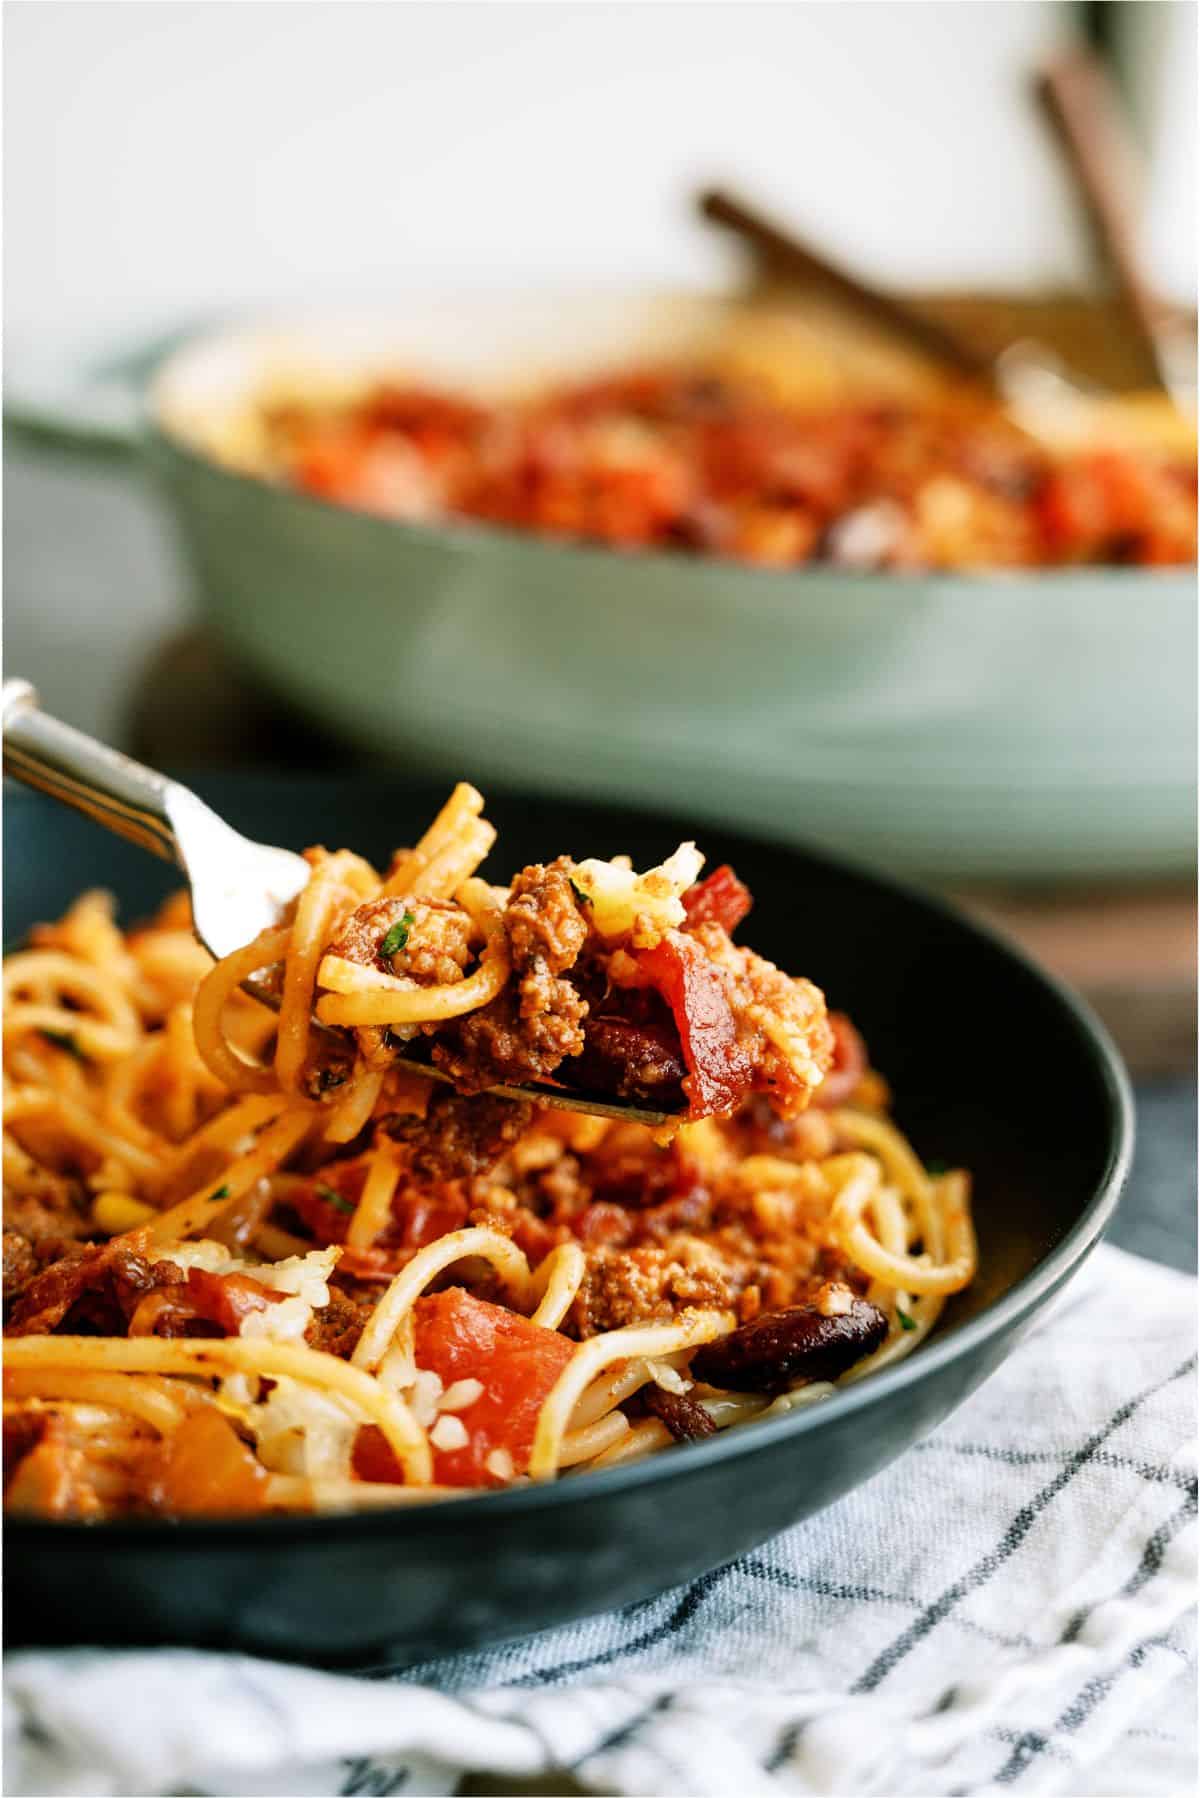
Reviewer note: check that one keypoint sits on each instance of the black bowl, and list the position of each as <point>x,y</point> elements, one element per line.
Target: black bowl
<point>994,1067</point>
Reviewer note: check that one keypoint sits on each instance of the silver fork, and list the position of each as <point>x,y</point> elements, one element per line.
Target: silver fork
<point>238,887</point>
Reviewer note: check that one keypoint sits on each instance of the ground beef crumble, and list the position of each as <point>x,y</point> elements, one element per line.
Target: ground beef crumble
<point>503,1045</point>
<point>460,1137</point>
<point>337,1326</point>
<point>537,1022</point>
<point>543,920</point>
<point>435,951</point>
<point>643,1286</point>
<point>38,1228</point>
<point>98,1285</point>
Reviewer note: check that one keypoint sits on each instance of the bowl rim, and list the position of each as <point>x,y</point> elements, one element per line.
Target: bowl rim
<point>1030,1292</point>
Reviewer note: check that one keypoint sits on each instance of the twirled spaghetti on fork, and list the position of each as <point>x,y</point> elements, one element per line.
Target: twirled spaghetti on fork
<point>252,1264</point>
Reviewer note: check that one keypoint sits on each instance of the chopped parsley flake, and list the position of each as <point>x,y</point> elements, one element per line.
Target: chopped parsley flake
<point>583,898</point>
<point>334,1198</point>
<point>62,1039</point>
<point>397,936</point>
<point>222,1192</point>
<point>906,1322</point>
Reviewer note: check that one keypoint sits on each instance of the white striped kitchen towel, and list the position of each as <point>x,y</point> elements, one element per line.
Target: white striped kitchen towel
<point>1008,1609</point>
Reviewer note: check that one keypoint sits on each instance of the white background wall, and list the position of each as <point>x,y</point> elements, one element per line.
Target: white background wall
<point>162,158</point>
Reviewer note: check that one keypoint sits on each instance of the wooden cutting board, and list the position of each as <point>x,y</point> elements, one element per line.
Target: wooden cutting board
<point>1131,952</point>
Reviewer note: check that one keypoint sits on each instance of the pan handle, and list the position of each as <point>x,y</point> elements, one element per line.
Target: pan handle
<point>50,404</point>
<point>94,405</point>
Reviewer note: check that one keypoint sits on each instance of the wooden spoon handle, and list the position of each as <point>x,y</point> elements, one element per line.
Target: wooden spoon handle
<point>1079,100</point>
<point>779,249</point>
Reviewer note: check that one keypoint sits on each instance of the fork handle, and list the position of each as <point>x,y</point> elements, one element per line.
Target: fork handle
<point>102,783</point>
<point>1081,102</point>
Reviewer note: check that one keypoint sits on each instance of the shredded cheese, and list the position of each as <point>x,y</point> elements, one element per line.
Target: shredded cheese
<point>424,1395</point>
<point>449,1432</point>
<point>618,899</point>
<point>303,1279</point>
<point>460,1395</point>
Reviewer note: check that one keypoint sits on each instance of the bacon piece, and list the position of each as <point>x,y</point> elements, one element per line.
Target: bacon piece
<point>227,1299</point>
<point>630,1058</point>
<point>203,1304</point>
<point>721,898</point>
<point>719,1069</point>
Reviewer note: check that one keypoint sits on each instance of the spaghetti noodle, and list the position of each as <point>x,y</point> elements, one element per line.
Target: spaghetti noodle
<point>252,1264</point>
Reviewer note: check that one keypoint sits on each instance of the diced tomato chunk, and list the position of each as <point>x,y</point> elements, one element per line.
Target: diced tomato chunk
<point>373,1458</point>
<point>225,1299</point>
<point>721,898</point>
<point>459,1337</point>
<point>718,1066</point>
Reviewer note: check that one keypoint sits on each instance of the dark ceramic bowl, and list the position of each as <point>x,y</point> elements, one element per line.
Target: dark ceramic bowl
<point>993,1067</point>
